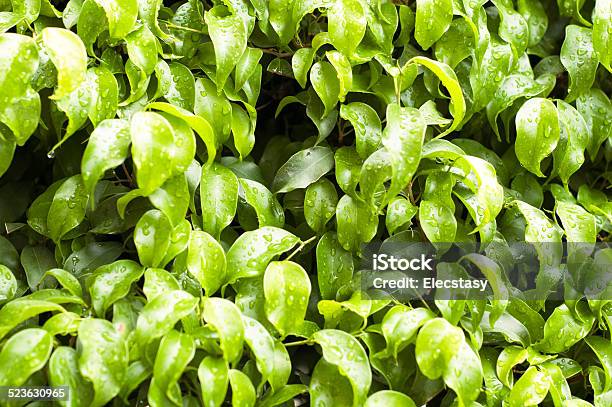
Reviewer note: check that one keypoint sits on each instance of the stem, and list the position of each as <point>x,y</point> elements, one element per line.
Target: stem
<point>180,27</point>
<point>300,247</point>
<point>340,133</point>
<point>276,53</point>
<point>127,174</point>
<point>299,343</point>
<point>259,108</point>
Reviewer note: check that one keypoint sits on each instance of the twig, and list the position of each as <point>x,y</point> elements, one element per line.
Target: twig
<point>300,247</point>
<point>276,53</point>
<point>259,108</point>
<point>299,343</point>
<point>180,27</point>
<point>127,174</point>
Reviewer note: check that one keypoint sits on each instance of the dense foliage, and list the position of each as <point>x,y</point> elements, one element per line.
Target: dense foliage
<point>186,188</point>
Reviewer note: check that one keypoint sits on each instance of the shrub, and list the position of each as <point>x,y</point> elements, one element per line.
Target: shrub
<point>189,191</point>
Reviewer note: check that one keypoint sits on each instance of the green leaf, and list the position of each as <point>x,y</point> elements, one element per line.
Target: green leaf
<point>569,154</point>
<point>271,356</point>
<point>366,123</point>
<point>67,52</point>
<point>400,326</point>
<point>375,172</point>
<point>563,329</point>
<point>269,210</point>
<point>286,292</point>
<point>433,17</point>
<point>529,188</point>
<point>449,79</point>
<point>537,128</point>
<point>559,388</point>
<point>320,203</point>
<point>106,149</point>
<point>247,66</point>
<point>480,177</point>
<point>175,351</point>
<point>29,9</point>
<point>152,139</point>
<point>112,282</point>
<point>530,389</point>
<point>603,349</point>
<point>39,210</point>
<point>511,88</point>
<point>301,61</point>
<point>213,375</point>
<point>15,312</point>
<point>334,266</point>
<point>158,281</point>
<point>347,25</point>
<point>76,106</point>
<point>121,16</point>
<point>281,19</point>
<point>286,393</point>
<point>103,358</point>
<point>348,168</point>
<point>389,398</point>
<point>243,129</point>
<point>148,11</point>
<point>280,67</point>
<point>68,207</point>
<point>91,22</point>
<point>437,221</point>
<point>537,20</point>
<point>20,104</point>
<point>602,38</point>
<point>326,84</point>
<point>399,214</point>
<point>580,226</point>
<point>7,150</point>
<point>142,50</point>
<point>161,313</point>
<point>225,318</point>
<point>8,20</point>
<point>172,198</point>
<point>578,57</point>
<point>356,223</point>
<point>571,8</point>
<point>229,37</point>
<point>403,139</point>
<point>513,28</point>
<point>218,197</point>
<point>176,84</point>
<point>344,72</point>
<point>206,261</point>
<point>64,371</point>
<point>94,255</point>
<point>152,238</point>
<point>441,351</point>
<point>343,351</point>
<point>303,168</point>
<point>596,108</point>
<point>213,108</point>
<point>243,392</point>
<point>96,98</point>
<point>29,349</point>
<point>456,43</point>
<point>507,360</point>
<point>36,260</point>
<point>329,387</point>
<point>8,284</point>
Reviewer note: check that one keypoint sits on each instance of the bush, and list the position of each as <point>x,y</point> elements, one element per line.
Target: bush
<point>190,194</point>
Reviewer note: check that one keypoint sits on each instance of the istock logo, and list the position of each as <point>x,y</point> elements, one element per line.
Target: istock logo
<point>385,262</point>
